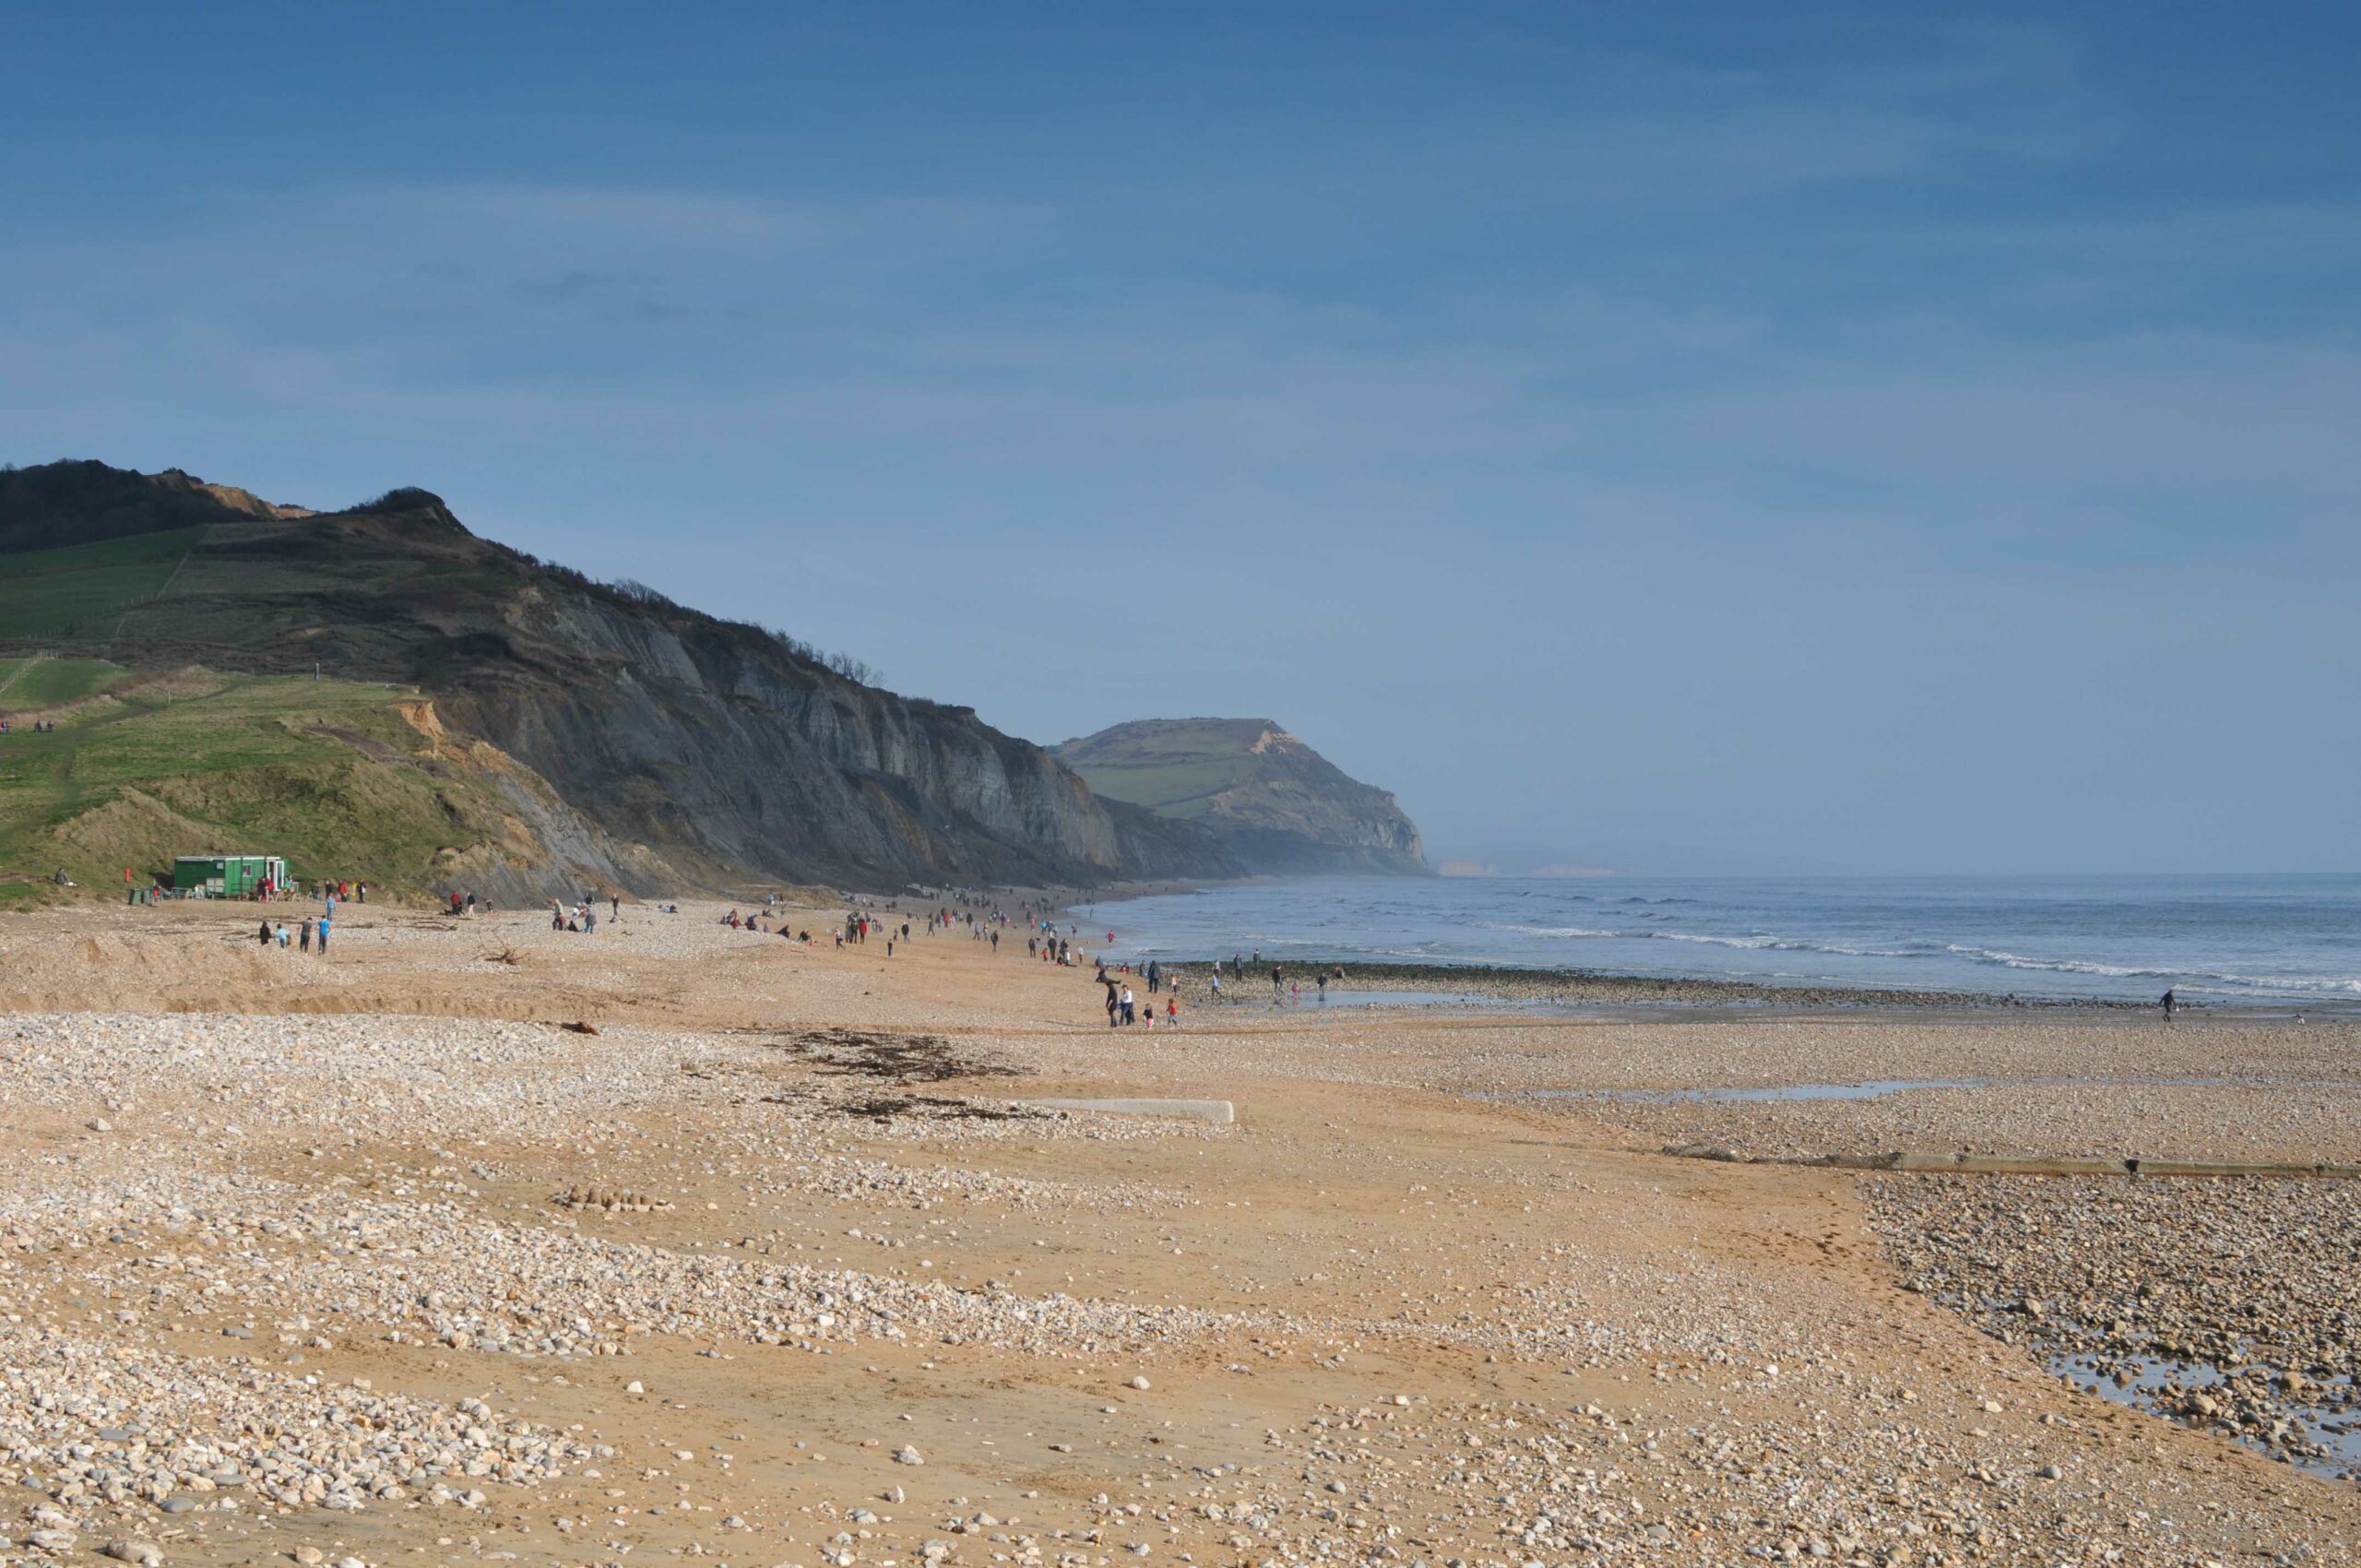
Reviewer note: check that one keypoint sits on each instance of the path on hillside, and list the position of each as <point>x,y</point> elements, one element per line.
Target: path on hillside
<point>124,619</point>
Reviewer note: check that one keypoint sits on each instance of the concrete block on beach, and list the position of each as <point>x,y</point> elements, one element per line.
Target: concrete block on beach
<point>2039,1164</point>
<point>1217,1111</point>
<point>2144,1167</point>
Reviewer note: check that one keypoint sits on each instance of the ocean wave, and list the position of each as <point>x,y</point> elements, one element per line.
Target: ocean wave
<point>1760,941</point>
<point>2055,966</point>
<point>2129,945</point>
<point>1746,941</point>
<point>1764,941</point>
<point>2332,985</point>
<point>2284,986</point>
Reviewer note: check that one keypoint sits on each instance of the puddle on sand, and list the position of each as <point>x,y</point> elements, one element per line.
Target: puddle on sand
<point>1403,999</point>
<point>2334,1433</point>
<point>1312,1000</point>
<point>1871,1090</point>
<point>1876,1089</point>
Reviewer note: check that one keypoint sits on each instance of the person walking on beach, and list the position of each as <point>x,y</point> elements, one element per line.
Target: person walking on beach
<point>2169,1004</point>
<point>1113,1005</point>
<point>1130,1007</point>
<point>1217,980</point>
<point>1278,991</point>
<point>304,939</point>
<point>265,934</point>
<point>324,936</point>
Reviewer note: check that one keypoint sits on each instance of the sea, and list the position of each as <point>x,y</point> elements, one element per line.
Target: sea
<point>2270,941</point>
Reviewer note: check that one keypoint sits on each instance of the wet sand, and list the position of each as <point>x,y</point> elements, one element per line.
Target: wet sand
<point>786,1265</point>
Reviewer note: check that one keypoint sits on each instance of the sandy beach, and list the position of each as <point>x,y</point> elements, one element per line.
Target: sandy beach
<point>778,1258</point>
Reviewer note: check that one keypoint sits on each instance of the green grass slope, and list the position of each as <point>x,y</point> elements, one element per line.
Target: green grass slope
<point>30,685</point>
<point>330,774</point>
<point>80,593</point>
<point>1177,767</point>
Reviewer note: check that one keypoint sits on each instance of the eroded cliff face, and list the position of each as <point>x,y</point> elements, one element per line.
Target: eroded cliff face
<point>713,745</point>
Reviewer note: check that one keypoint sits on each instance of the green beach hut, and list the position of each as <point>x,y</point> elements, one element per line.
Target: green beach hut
<point>227,876</point>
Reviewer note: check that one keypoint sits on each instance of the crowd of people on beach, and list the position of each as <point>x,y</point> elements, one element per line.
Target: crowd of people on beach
<point>984,918</point>
<point>309,932</point>
<point>584,916</point>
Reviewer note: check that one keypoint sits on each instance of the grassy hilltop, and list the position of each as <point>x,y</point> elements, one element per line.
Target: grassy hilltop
<point>1277,803</point>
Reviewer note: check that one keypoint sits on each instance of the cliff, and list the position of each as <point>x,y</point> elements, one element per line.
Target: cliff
<point>637,743</point>
<point>1276,803</point>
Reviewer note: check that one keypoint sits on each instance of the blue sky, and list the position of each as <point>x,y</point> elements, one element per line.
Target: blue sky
<point>1724,438</point>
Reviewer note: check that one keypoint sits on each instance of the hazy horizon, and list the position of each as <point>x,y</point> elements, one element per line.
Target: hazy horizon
<point>1821,443</point>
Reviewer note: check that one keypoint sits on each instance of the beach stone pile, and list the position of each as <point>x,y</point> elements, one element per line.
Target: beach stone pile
<point>2156,1292</point>
<point>92,1424</point>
